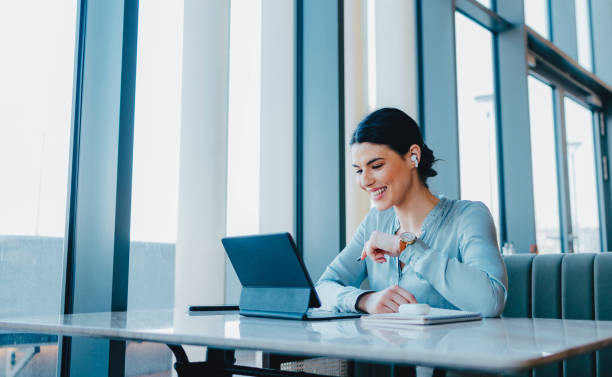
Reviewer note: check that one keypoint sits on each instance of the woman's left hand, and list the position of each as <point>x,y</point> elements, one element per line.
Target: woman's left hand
<point>381,244</point>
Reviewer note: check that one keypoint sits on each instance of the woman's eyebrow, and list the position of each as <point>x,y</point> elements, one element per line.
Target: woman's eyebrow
<point>370,162</point>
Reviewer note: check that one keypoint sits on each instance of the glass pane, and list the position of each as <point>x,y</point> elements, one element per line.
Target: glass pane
<point>243,120</point>
<point>583,33</point>
<point>243,139</point>
<point>155,173</point>
<point>537,16</point>
<point>244,136</point>
<point>476,109</point>
<point>544,166</point>
<point>36,76</point>
<point>582,180</point>
<point>486,3</point>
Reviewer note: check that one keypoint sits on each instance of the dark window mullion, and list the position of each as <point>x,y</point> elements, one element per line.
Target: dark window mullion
<point>563,174</point>
<point>503,237</point>
<point>598,142</point>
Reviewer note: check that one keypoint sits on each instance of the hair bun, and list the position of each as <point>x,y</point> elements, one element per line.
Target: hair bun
<point>426,163</point>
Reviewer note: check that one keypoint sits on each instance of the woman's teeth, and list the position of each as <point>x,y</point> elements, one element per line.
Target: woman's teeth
<point>379,191</point>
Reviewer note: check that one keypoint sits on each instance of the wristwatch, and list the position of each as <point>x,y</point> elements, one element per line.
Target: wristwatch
<point>407,238</point>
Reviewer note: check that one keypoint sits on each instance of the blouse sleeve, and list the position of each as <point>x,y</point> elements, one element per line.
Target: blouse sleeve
<point>478,282</point>
<point>338,287</point>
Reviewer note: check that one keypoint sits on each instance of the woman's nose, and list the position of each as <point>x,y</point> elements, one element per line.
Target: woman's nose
<point>367,179</point>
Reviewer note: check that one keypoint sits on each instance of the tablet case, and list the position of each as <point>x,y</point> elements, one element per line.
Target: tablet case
<point>275,282</point>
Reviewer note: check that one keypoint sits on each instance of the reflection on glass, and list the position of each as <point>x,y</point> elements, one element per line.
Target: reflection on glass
<point>544,167</point>
<point>476,110</point>
<point>582,180</point>
<point>537,16</point>
<point>36,76</point>
<point>155,172</point>
<point>583,34</point>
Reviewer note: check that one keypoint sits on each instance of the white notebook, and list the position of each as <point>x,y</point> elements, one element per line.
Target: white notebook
<point>434,316</point>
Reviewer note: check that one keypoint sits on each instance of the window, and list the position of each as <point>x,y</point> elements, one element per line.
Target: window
<point>157,123</point>
<point>565,181</point>
<point>537,16</point>
<point>585,228</point>
<point>583,33</point>
<point>486,3</point>
<point>544,166</point>
<point>243,118</point>
<point>243,138</point>
<point>35,118</point>
<point>476,114</point>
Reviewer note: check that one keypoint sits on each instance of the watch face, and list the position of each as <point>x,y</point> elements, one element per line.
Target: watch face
<point>408,237</point>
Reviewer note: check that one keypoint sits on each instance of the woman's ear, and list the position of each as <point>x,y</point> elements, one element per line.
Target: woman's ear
<point>414,150</point>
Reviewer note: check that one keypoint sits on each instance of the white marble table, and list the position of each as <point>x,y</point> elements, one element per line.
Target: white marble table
<point>491,345</point>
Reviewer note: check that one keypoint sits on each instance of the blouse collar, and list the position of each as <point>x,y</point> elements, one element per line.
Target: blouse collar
<point>431,219</point>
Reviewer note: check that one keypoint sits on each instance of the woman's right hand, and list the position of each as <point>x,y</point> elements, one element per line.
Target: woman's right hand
<point>386,301</point>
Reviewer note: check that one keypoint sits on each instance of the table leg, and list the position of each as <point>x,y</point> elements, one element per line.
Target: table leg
<point>403,371</point>
<point>437,372</point>
<point>219,360</point>
<point>216,364</point>
<point>220,363</point>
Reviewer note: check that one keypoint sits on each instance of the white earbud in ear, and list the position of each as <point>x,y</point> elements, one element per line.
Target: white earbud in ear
<point>413,158</point>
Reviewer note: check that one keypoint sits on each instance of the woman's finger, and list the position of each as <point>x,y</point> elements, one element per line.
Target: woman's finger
<point>382,251</point>
<point>404,293</point>
<point>379,256</point>
<point>399,299</point>
<point>390,306</point>
<point>369,250</point>
<point>376,254</point>
<point>363,255</point>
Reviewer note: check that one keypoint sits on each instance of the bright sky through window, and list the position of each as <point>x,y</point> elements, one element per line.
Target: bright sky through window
<point>476,112</point>
<point>157,121</point>
<point>537,16</point>
<point>36,75</point>
<point>244,116</point>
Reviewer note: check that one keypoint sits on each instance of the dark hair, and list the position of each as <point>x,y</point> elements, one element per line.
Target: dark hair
<point>395,129</point>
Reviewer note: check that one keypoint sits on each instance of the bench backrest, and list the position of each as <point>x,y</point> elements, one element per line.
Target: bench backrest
<point>569,286</point>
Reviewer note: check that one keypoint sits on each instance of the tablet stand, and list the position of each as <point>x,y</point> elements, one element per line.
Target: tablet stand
<point>276,302</point>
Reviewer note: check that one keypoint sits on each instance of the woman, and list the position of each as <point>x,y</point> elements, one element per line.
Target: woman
<point>412,246</point>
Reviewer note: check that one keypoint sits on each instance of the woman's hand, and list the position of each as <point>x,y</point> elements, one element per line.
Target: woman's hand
<point>380,244</point>
<point>385,301</point>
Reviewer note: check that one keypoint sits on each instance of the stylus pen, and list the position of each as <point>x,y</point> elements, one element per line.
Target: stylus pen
<point>211,308</point>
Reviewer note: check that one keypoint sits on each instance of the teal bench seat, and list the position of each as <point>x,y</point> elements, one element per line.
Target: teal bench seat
<point>569,286</point>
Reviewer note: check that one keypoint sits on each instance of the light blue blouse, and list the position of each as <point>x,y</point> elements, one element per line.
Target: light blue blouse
<point>455,264</point>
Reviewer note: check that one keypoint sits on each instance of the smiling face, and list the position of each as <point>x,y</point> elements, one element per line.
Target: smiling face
<point>383,173</point>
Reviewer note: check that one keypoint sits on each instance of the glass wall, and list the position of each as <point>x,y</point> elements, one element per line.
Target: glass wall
<point>243,136</point>
<point>153,230</point>
<point>537,16</point>
<point>583,33</point>
<point>243,118</point>
<point>476,114</point>
<point>486,3</point>
<point>544,166</point>
<point>36,76</point>
<point>581,164</point>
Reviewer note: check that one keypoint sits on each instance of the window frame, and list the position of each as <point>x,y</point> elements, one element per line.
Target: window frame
<point>563,85</point>
<point>479,14</point>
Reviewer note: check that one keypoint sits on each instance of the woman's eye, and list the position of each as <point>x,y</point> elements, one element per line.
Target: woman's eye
<point>358,171</point>
<point>377,166</point>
